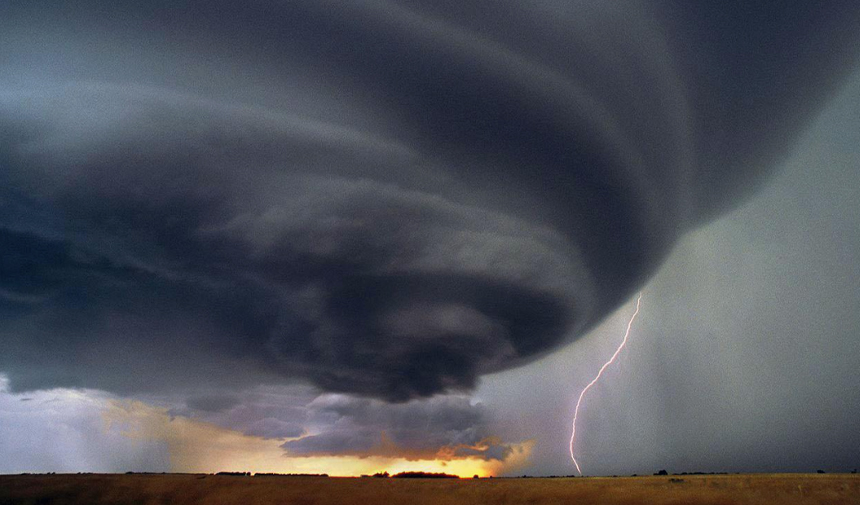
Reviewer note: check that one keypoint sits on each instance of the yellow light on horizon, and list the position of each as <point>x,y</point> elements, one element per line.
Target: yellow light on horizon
<point>196,446</point>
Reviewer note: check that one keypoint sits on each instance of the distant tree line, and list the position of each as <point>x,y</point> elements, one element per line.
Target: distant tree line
<point>423,475</point>
<point>664,472</point>
<point>413,475</point>
<point>290,475</point>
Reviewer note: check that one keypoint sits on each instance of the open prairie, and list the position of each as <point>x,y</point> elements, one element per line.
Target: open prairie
<point>830,489</point>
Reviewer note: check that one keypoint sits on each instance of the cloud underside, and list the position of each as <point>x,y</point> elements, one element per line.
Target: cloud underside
<point>93,431</point>
<point>441,429</point>
<point>397,200</point>
<point>307,424</point>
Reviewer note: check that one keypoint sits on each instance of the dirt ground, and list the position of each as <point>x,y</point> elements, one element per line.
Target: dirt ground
<point>824,489</point>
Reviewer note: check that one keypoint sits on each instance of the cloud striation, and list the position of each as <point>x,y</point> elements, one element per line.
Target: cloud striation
<point>376,197</point>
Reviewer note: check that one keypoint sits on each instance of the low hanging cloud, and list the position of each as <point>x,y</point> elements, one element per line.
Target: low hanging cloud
<point>443,428</point>
<point>63,430</point>
<point>310,425</point>
<point>379,198</point>
<point>196,445</point>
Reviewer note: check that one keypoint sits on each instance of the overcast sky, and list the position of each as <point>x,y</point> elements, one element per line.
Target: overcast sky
<point>348,237</point>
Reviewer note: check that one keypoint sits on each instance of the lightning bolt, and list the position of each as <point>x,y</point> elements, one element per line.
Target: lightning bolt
<point>599,373</point>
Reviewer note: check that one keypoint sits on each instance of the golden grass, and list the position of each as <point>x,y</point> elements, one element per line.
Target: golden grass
<point>766,489</point>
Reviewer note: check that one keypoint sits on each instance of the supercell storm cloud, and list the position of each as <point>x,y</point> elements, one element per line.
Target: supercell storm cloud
<point>380,198</point>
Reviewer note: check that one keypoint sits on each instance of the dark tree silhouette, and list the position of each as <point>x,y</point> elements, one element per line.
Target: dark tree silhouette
<point>424,475</point>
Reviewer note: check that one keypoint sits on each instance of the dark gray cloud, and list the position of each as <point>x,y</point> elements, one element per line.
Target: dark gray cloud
<point>212,403</point>
<point>275,428</point>
<point>272,412</point>
<point>444,427</point>
<point>381,198</point>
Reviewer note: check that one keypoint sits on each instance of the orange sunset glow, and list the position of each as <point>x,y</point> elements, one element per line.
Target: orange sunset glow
<point>199,447</point>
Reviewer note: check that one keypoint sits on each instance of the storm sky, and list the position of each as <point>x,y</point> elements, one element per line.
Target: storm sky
<point>350,236</point>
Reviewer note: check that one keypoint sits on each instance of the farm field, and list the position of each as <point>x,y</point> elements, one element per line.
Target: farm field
<point>829,489</point>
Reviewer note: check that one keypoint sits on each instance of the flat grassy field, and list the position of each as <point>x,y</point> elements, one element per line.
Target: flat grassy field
<point>776,489</point>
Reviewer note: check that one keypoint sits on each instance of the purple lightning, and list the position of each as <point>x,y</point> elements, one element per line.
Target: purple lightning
<point>599,373</point>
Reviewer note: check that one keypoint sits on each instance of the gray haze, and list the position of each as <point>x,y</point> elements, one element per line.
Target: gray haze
<point>745,355</point>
